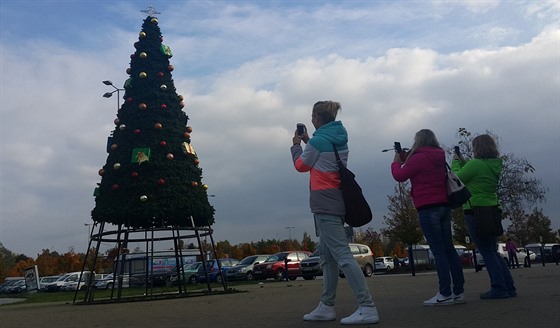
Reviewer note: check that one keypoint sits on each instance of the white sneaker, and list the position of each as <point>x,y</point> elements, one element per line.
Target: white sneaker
<point>321,313</point>
<point>439,300</point>
<point>364,315</point>
<point>459,298</point>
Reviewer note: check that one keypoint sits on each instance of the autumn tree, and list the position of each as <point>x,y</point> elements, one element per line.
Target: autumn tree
<point>17,269</point>
<point>371,238</point>
<point>402,219</point>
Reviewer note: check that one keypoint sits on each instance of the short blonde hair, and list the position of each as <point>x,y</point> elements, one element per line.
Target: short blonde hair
<point>326,110</point>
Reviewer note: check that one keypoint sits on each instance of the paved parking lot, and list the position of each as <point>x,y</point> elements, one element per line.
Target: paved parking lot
<point>282,304</point>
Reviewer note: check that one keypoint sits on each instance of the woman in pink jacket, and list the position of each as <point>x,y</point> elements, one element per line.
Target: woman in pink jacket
<point>425,167</point>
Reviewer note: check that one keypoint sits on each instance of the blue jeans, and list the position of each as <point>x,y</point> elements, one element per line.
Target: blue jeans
<point>335,253</point>
<point>436,226</point>
<point>501,281</point>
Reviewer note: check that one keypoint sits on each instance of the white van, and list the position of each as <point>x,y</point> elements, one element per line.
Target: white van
<point>384,263</point>
<point>70,281</point>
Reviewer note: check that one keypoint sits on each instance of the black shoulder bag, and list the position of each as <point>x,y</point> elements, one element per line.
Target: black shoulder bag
<point>358,212</point>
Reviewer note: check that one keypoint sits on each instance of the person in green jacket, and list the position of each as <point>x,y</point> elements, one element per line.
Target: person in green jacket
<point>481,175</point>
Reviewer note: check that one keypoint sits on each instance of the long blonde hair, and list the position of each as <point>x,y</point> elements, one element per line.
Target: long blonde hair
<point>423,138</point>
<point>326,110</point>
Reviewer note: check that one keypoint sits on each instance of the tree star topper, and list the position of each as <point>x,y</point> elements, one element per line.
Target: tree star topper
<point>151,11</point>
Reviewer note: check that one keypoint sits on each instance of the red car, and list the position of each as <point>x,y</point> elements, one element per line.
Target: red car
<point>275,266</point>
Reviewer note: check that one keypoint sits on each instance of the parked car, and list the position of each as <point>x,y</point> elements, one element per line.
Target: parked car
<point>213,271</point>
<point>310,267</point>
<point>17,287</point>
<point>104,281</point>
<point>274,266</point>
<point>521,256</point>
<point>244,269</point>
<point>69,281</point>
<point>43,281</point>
<point>189,272</point>
<point>384,263</point>
<point>7,284</point>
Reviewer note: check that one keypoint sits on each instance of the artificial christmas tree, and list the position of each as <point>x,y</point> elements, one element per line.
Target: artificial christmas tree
<point>151,178</point>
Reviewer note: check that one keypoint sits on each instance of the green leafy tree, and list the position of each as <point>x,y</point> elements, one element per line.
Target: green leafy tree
<point>152,176</point>
<point>402,219</point>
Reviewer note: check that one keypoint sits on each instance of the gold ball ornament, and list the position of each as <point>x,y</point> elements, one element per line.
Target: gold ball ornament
<point>142,34</point>
<point>154,20</point>
<point>117,166</point>
<point>181,97</point>
<point>143,55</point>
<point>187,135</point>
<point>189,129</point>
<point>163,87</point>
<point>122,127</point>
<point>205,186</point>
<point>142,75</point>
<point>143,198</point>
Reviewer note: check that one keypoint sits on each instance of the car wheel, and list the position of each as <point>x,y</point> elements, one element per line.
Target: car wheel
<point>192,279</point>
<point>249,276</point>
<point>308,277</point>
<point>109,285</point>
<point>279,274</point>
<point>389,268</point>
<point>368,270</point>
<point>292,278</point>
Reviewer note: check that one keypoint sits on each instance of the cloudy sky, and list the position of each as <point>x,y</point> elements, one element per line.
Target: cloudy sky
<point>249,71</point>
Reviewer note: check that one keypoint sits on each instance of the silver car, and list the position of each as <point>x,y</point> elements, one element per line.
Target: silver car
<point>244,269</point>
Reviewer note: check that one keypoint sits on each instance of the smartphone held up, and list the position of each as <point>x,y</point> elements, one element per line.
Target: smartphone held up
<point>300,129</point>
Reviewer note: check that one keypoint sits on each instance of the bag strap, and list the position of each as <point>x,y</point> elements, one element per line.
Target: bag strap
<point>337,156</point>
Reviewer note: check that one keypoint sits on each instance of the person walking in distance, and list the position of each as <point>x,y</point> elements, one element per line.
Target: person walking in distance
<point>425,166</point>
<point>511,249</point>
<point>327,206</point>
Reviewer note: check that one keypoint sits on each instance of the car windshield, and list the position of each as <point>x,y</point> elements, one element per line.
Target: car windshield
<point>277,257</point>
<point>62,277</point>
<point>247,260</point>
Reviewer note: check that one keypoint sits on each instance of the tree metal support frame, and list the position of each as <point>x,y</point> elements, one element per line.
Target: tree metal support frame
<point>122,237</point>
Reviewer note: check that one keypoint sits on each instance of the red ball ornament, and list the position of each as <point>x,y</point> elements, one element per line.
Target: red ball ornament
<point>196,161</point>
<point>181,104</point>
<point>169,157</point>
<point>101,172</point>
<point>163,143</point>
<point>129,100</point>
<point>189,129</point>
<point>142,106</point>
<point>160,74</point>
<point>134,174</point>
<point>137,131</point>
<point>187,135</point>
<point>128,71</point>
<point>115,187</point>
<point>114,147</point>
<point>132,56</point>
<point>117,121</point>
<point>194,184</point>
<point>170,68</point>
<point>158,126</point>
<point>161,182</point>
<point>163,106</point>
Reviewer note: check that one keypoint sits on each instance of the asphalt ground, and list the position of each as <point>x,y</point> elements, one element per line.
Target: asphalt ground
<point>282,304</point>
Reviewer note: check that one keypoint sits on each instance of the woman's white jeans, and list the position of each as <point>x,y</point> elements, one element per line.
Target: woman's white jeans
<point>335,253</point>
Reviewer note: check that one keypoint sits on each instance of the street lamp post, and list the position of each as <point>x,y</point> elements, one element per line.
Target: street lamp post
<point>290,231</point>
<point>109,94</point>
